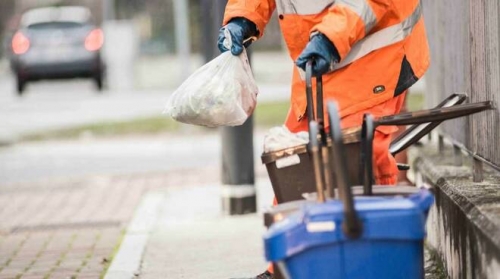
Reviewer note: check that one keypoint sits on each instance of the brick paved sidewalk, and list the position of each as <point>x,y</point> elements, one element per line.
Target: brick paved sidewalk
<point>71,228</point>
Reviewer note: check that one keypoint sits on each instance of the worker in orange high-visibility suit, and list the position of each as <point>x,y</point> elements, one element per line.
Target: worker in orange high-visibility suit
<point>368,51</point>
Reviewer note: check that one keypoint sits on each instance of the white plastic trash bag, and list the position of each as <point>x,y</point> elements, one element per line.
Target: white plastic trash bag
<point>223,92</point>
<point>279,138</point>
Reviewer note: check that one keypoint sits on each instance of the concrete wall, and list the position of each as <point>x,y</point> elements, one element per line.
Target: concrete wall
<point>464,37</point>
<point>464,224</point>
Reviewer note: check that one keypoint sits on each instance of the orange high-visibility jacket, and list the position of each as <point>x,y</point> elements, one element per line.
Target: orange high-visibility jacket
<point>382,45</point>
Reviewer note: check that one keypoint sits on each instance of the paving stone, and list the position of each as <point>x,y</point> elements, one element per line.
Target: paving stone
<point>77,255</point>
<point>104,247</point>
<point>38,271</point>
<point>41,269</point>
<point>88,239</point>
<point>8,275</point>
<point>29,251</point>
<point>53,255</point>
<point>95,262</point>
<point>89,276</point>
<point>32,276</point>
<point>12,244</point>
<point>92,269</point>
<point>4,261</point>
<point>69,270</point>
<point>63,275</point>
<point>14,266</point>
<point>10,272</point>
<point>59,243</point>
<point>73,264</point>
<point>19,264</point>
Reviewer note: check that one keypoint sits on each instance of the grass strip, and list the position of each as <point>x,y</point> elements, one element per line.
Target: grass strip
<point>147,125</point>
<point>266,115</point>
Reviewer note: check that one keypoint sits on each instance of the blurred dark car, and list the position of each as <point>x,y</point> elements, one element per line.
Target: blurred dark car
<point>57,43</point>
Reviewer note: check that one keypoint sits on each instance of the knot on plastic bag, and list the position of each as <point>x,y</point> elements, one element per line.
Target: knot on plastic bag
<point>228,42</point>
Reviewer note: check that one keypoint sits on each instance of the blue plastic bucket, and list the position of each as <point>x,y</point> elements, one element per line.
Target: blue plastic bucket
<point>311,243</point>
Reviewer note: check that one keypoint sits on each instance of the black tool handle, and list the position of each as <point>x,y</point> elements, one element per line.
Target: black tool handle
<point>319,100</point>
<point>316,159</point>
<point>325,156</point>
<point>415,132</point>
<point>309,92</point>
<point>434,115</point>
<point>366,163</point>
<point>325,177</point>
<point>319,108</point>
<point>352,226</point>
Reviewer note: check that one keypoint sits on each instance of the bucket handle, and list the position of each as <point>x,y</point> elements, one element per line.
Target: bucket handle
<point>309,92</point>
<point>314,147</point>
<point>435,114</point>
<point>319,100</point>
<point>351,226</point>
<point>366,164</point>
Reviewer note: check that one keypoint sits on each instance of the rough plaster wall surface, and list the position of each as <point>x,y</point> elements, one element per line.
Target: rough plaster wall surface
<point>440,240</point>
<point>464,223</point>
<point>448,41</point>
<point>492,268</point>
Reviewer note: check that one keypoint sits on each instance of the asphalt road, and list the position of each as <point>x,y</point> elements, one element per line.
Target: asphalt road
<point>51,105</point>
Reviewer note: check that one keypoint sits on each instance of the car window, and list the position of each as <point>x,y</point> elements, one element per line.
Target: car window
<point>55,25</point>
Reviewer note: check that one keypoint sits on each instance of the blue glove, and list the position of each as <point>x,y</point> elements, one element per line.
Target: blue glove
<point>240,29</point>
<point>323,52</point>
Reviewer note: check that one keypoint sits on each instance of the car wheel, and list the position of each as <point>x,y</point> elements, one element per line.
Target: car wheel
<point>21,85</point>
<point>98,82</point>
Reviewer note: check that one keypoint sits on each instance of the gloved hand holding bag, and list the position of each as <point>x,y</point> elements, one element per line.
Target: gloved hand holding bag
<point>242,31</point>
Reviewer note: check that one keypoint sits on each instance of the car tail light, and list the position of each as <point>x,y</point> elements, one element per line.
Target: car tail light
<point>94,40</point>
<point>20,43</point>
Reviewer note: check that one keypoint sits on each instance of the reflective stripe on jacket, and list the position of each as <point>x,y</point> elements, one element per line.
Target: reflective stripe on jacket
<point>382,45</point>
